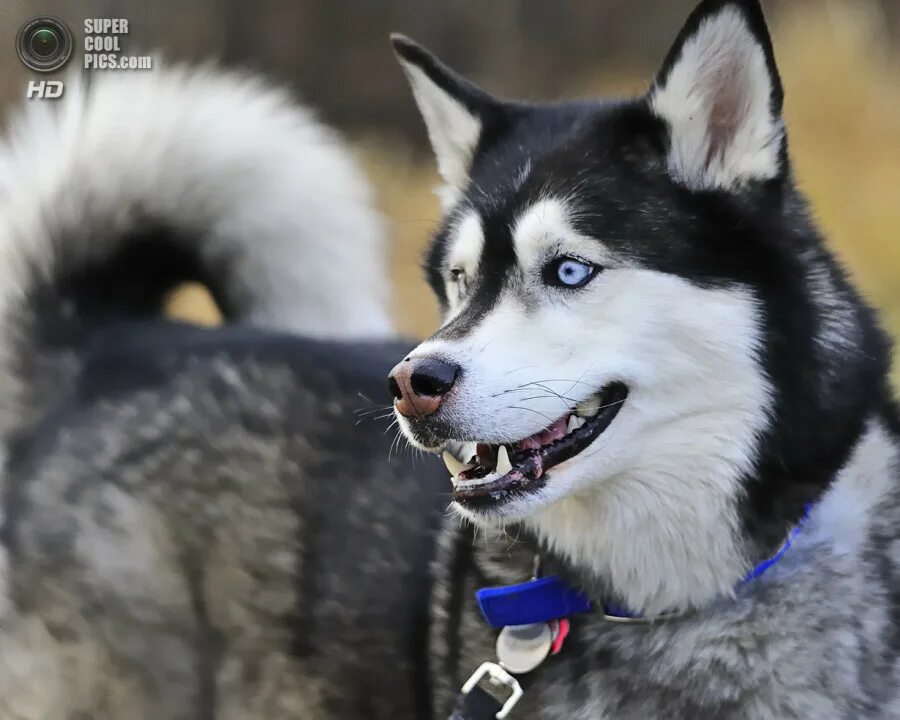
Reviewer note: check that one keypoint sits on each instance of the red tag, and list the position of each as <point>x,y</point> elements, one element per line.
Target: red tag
<point>560,632</point>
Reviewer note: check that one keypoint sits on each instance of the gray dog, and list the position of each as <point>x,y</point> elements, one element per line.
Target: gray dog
<point>664,409</point>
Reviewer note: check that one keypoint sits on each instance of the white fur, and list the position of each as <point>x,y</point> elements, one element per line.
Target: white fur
<point>464,252</point>
<point>453,130</point>
<point>651,504</point>
<point>716,101</point>
<point>547,226</point>
<point>216,156</point>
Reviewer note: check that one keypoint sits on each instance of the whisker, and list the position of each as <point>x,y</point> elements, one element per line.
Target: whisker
<point>536,412</point>
<point>551,396</point>
<point>513,540</point>
<point>395,444</point>
<point>390,427</point>
<point>559,395</point>
<point>369,411</point>
<point>366,398</point>
<point>589,367</point>
<point>551,420</point>
<point>540,383</point>
<point>379,418</point>
<point>609,405</point>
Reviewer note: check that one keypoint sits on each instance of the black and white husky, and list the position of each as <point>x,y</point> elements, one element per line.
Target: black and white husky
<point>651,366</point>
<point>654,388</point>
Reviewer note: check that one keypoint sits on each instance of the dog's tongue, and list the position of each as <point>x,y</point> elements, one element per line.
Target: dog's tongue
<point>554,432</point>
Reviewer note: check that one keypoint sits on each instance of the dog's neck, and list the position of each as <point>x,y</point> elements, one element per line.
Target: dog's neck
<point>648,551</point>
<point>645,541</point>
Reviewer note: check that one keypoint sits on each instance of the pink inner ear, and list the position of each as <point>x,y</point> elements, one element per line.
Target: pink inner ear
<point>717,99</point>
<point>726,111</point>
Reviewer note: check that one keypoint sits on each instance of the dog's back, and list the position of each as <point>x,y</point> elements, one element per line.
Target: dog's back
<point>192,535</point>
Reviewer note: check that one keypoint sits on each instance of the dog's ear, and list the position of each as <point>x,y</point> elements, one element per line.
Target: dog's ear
<point>720,94</point>
<point>455,111</point>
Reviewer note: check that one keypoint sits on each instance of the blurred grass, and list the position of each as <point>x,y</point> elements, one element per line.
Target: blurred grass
<point>843,115</point>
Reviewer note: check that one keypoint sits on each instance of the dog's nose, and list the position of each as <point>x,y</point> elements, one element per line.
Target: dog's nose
<point>419,385</point>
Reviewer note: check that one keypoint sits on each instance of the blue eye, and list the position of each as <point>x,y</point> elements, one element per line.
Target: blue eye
<point>568,272</point>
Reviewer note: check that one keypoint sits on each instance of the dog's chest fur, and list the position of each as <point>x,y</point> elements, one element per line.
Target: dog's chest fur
<point>815,636</point>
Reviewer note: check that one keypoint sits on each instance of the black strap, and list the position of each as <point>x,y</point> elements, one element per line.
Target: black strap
<point>476,705</point>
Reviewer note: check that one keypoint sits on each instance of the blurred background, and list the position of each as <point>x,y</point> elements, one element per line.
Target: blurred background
<point>840,62</point>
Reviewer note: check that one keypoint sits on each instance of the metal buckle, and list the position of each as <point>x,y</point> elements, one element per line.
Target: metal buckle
<point>640,619</point>
<point>498,676</point>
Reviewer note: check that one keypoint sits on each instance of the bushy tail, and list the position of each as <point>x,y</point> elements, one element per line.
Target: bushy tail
<point>133,183</point>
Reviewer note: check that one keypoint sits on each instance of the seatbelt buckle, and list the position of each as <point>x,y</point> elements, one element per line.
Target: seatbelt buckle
<point>497,676</point>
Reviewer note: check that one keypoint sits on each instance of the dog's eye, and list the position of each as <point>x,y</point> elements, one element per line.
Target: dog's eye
<point>458,278</point>
<point>569,272</point>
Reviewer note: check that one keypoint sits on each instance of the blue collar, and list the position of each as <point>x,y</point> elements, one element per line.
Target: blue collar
<point>551,598</point>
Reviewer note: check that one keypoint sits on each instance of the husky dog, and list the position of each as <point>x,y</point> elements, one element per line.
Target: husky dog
<point>653,371</point>
<point>652,378</point>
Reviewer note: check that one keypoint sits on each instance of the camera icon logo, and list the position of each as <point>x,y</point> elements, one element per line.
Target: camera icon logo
<point>44,44</point>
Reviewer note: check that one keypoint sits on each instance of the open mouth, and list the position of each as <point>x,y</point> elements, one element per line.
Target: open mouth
<point>495,472</point>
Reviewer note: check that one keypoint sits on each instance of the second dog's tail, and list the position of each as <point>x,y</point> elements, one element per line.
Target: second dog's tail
<point>136,182</point>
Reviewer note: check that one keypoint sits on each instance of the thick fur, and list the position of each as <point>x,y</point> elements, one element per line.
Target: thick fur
<point>208,529</point>
<point>200,526</point>
<point>134,182</point>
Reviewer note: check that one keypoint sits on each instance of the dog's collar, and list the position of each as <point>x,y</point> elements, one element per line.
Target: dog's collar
<point>533,620</point>
<point>543,599</point>
<point>539,600</point>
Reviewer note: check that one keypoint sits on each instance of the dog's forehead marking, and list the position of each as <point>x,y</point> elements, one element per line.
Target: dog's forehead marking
<point>467,244</point>
<point>541,224</point>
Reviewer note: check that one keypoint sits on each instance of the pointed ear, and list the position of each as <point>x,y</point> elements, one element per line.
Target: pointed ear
<point>455,111</point>
<point>720,94</point>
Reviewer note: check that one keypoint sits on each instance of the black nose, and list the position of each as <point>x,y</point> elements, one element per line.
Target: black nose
<point>419,385</point>
<point>433,377</point>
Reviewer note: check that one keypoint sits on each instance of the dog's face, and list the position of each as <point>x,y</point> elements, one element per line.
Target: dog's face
<point>611,275</point>
<point>597,267</point>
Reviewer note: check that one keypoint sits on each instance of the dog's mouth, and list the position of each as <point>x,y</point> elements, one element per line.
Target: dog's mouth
<point>496,472</point>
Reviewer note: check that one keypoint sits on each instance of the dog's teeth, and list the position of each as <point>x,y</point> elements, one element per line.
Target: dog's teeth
<point>588,409</point>
<point>453,465</point>
<point>574,423</point>
<point>503,463</point>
